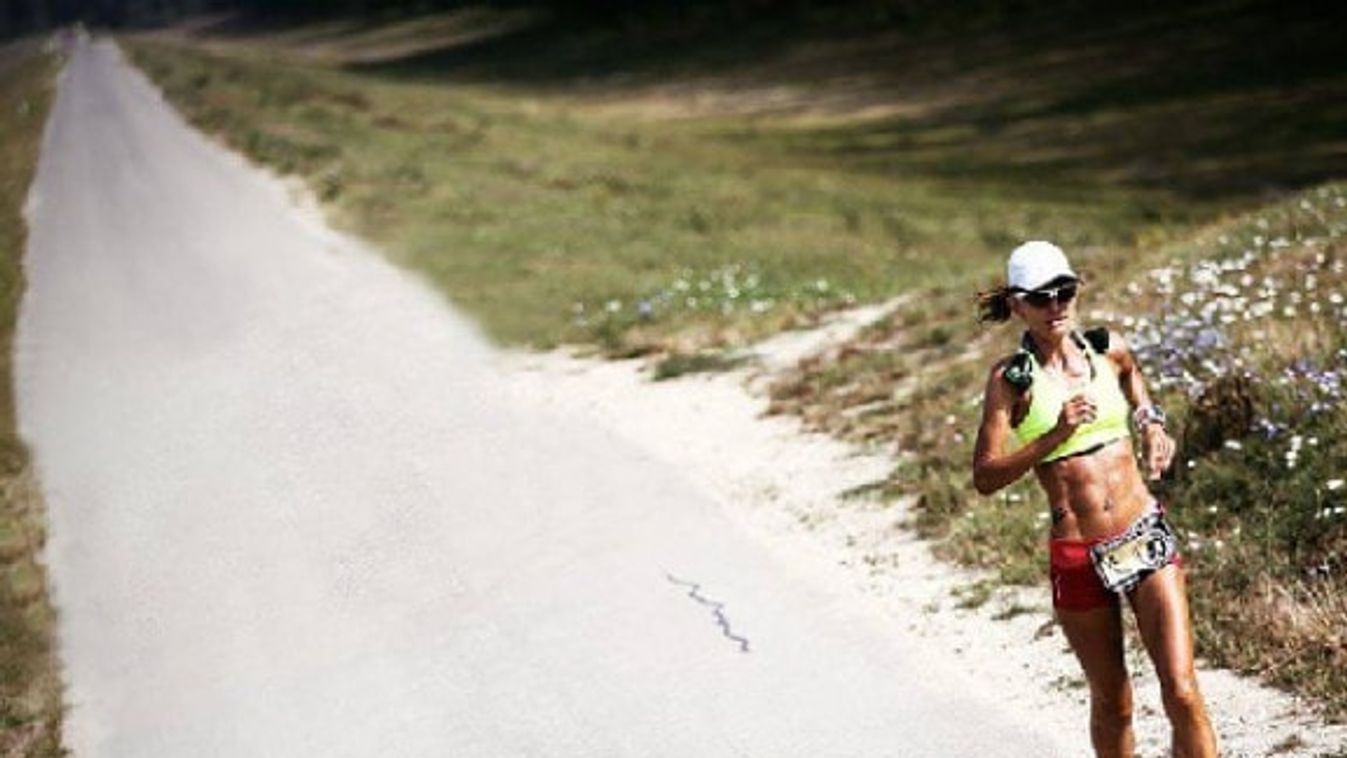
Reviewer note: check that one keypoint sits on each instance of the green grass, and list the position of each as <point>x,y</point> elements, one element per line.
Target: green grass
<point>675,365</point>
<point>1214,98</point>
<point>1208,100</point>
<point>30,705</point>
<point>1247,339</point>
<point>553,222</point>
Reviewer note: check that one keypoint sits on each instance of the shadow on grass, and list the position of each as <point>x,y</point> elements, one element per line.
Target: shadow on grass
<point>1208,100</point>
<point>560,50</point>
<point>1216,100</point>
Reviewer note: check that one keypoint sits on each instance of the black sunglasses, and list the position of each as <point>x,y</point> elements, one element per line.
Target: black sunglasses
<point>1063,294</point>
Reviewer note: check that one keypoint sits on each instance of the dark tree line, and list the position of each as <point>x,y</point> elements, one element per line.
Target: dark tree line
<point>19,16</point>
<point>22,16</point>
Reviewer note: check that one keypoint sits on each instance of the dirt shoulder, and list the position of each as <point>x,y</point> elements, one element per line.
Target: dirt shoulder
<point>788,489</point>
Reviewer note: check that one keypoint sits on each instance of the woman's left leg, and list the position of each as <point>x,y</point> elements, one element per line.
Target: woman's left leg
<point>1161,607</point>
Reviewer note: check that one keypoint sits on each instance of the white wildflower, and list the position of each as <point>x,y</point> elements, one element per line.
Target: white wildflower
<point>1333,485</point>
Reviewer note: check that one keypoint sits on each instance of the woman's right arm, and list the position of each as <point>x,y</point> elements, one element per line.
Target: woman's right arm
<point>993,468</point>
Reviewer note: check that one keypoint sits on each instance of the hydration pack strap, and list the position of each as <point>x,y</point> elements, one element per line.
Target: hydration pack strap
<point>1098,339</point>
<point>1019,370</point>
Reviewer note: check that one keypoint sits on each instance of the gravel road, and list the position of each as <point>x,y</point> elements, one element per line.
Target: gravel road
<point>293,512</point>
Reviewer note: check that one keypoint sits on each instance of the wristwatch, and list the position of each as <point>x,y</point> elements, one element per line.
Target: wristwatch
<point>1149,414</point>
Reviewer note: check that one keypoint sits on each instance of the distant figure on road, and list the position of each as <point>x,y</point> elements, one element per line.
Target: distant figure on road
<point>1068,397</point>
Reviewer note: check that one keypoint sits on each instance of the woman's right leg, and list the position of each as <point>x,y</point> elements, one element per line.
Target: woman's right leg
<point>1096,637</point>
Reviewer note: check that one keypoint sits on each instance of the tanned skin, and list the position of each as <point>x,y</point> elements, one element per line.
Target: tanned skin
<point>1094,495</point>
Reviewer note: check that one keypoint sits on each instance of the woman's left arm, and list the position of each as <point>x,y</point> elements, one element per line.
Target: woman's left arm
<point>1157,447</point>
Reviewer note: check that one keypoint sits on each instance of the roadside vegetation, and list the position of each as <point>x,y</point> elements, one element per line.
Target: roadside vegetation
<point>30,692</point>
<point>702,197</point>
<point>553,220</point>
<point>1242,332</point>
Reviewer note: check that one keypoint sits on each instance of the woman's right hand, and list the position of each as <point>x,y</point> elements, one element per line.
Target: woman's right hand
<point>1078,410</point>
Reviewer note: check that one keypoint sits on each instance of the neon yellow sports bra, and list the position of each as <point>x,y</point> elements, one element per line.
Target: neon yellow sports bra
<point>1049,393</point>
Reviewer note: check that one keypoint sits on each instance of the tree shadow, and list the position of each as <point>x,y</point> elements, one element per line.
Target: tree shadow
<point>1208,99</point>
<point>1218,100</point>
<point>559,49</point>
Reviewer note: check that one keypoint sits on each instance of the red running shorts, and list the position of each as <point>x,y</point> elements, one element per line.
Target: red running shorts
<point>1075,585</point>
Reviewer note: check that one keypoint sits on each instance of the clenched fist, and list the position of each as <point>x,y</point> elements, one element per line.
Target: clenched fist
<point>1076,411</point>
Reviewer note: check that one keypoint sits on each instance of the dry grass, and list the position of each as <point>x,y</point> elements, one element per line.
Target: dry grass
<point>1301,642</point>
<point>30,692</point>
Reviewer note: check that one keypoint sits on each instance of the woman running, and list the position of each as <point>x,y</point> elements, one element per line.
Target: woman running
<point>1068,397</point>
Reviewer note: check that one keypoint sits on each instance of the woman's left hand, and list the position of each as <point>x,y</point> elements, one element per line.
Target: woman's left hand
<point>1158,450</point>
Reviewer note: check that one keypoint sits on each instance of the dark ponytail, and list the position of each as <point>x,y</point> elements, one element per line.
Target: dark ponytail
<point>994,305</point>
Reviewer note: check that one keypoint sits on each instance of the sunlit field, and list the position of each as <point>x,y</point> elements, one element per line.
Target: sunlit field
<point>557,217</point>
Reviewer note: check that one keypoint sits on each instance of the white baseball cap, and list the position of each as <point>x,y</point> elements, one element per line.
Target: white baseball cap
<point>1036,264</point>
